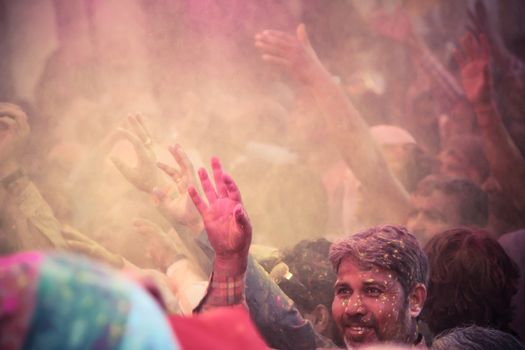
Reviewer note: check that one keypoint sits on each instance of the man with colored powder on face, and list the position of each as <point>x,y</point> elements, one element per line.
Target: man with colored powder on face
<point>382,277</point>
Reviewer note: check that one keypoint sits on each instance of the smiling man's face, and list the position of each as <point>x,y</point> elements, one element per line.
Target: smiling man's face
<point>370,306</point>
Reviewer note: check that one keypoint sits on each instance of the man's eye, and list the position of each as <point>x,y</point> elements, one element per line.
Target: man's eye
<point>373,291</point>
<point>342,291</point>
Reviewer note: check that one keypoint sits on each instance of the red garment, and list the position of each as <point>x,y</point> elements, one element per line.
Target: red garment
<point>227,328</point>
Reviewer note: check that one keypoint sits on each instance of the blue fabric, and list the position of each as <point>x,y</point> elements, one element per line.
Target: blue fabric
<point>81,304</point>
<point>146,330</point>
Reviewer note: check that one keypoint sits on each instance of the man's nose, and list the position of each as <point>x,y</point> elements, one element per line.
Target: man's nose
<point>355,305</point>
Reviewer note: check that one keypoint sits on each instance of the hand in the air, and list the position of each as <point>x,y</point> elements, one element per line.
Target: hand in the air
<point>174,200</point>
<point>225,220</point>
<point>145,175</point>
<point>473,58</point>
<point>293,52</point>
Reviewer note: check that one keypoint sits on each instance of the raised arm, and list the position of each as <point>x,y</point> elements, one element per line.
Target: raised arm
<point>348,129</point>
<point>229,233</point>
<point>509,68</point>
<point>506,163</point>
<point>36,226</point>
<point>175,204</point>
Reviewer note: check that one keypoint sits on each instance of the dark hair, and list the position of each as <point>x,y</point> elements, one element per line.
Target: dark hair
<point>390,247</point>
<point>472,281</point>
<point>312,281</point>
<point>473,201</point>
<point>476,338</point>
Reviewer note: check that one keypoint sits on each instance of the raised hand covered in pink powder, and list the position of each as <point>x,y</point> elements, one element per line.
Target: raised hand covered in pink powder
<point>473,57</point>
<point>225,220</point>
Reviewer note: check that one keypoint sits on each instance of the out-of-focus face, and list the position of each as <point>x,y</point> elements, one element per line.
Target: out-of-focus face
<point>401,160</point>
<point>433,214</point>
<point>453,165</point>
<point>370,306</point>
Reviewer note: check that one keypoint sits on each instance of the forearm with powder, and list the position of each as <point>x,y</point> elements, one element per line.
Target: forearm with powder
<point>505,159</point>
<point>357,147</point>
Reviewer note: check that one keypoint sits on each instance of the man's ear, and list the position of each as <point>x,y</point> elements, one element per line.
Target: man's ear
<point>320,318</point>
<point>416,299</point>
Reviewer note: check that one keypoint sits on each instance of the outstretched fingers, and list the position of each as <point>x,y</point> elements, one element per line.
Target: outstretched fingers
<point>218,177</point>
<point>233,191</point>
<point>276,38</point>
<point>276,60</point>
<point>139,129</point>
<point>270,48</point>
<point>241,217</point>
<point>207,186</point>
<point>471,48</point>
<point>181,158</point>
<point>137,144</point>
<point>171,172</point>
<point>197,200</point>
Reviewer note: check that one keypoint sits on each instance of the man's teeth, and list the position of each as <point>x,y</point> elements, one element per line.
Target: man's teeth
<point>357,329</point>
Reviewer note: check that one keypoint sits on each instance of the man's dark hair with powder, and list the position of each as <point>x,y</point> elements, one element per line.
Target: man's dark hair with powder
<point>388,246</point>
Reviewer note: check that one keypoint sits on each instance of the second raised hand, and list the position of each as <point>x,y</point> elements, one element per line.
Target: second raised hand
<point>473,57</point>
<point>144,176</point>
<point>291,51</point>
<point>179,208</point>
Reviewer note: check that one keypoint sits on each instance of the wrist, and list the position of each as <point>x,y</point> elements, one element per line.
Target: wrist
<point>230,265</point>
<point>486,115</point>
<point>319,76</point>
<point>483,98</point>
<point>483,105</point>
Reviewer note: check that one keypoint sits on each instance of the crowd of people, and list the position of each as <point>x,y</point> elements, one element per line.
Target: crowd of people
<point>382,206</point>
